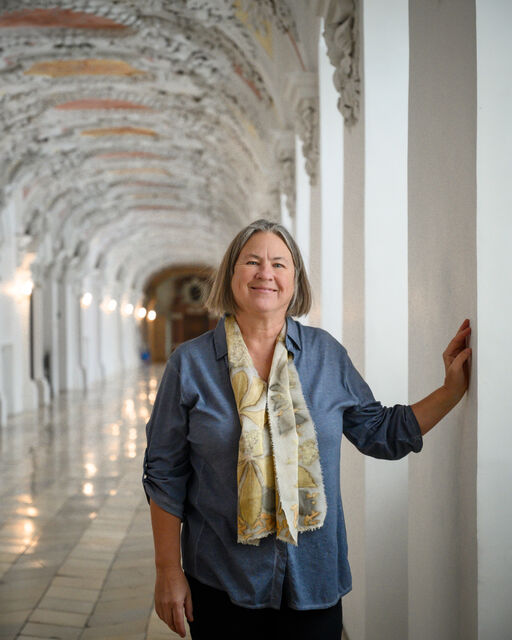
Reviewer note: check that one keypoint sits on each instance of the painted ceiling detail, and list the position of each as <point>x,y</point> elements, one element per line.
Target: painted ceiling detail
<point>57,18</point>
<point>123,125</point>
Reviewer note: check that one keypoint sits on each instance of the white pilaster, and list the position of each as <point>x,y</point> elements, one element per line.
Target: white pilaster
<point>331,184</point>
<point>494,351</point>
<point>385,76</point>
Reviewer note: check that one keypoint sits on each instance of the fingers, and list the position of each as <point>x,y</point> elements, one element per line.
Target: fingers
<point>178,620</point>
<point>458,342</point>
<point>188,607</point>
<point>461,358</point>
<point>464,324</point>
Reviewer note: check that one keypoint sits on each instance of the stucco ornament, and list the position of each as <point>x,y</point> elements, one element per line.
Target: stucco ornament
<point>263,11</point>
<point>341,35</point>
<point>306,121</point>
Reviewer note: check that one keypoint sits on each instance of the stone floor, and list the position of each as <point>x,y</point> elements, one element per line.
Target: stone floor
<point>76,549</point>
<point>76,552</point>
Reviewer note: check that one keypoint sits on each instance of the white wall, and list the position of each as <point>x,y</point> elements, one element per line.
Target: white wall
<point>494,353</point>
<point>302,231</point>
<point>331,186</point>
<point>442,292</point>
<point>386,105</point>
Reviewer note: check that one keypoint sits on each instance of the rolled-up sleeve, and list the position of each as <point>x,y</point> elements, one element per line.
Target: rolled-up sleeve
<point>166,461</point>
<point>378,431</point>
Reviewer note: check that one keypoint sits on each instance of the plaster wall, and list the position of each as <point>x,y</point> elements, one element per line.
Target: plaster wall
<point>386,43</point>
<point>331,185</point>
<point>494,353</point>
<point>442,292</point>
<point>302,228</point>
<point>352,462</point>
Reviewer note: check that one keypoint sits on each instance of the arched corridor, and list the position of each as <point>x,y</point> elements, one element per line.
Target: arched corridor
<point>136,139</point>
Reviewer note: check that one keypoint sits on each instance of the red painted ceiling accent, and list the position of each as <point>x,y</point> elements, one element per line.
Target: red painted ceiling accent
<point>93,103</point>
<point>238,70</point>
<point>57,18</point>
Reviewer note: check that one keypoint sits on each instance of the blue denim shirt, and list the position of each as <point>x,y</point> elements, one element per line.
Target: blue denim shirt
<point>191,460</point>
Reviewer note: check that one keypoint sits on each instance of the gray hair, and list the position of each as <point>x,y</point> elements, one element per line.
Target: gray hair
<point>221,299</point>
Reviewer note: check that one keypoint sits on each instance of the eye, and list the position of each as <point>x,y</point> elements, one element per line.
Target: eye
<point>252,262</point>
<point>278,264</point>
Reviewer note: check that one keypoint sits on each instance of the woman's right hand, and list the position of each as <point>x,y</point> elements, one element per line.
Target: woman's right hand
<point>173,599</point>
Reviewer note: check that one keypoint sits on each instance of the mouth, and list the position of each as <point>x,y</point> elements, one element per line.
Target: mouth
<point>263,289</point>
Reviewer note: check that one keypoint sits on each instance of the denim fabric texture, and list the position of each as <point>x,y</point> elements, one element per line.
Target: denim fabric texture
<point>190,467</point>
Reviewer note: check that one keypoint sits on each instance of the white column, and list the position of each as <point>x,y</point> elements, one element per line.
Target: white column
<point>386,68</point>
<point>494,351</point>
<point>303,203</point>
<point>331,184</point>
<point>38,345</point>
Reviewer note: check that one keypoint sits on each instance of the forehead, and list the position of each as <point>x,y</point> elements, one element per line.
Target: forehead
<point>264,242</point>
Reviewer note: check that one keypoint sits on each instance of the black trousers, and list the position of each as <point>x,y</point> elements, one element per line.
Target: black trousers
<point>216,616</point>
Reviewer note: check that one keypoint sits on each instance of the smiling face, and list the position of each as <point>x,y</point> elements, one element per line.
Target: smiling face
<point>264,276</point>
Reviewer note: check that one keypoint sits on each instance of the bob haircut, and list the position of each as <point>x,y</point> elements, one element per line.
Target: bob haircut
<point>221,299</point>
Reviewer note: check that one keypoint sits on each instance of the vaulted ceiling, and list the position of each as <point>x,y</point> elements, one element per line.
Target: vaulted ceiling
<point>135,135</point>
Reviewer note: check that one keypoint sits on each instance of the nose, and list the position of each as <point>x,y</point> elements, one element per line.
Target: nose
<point>265,270</point>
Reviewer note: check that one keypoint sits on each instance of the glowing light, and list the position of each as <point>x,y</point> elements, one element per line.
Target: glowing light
<point>131,449</point>
<point>112,492</point>
<point>30,512</point>
<point>93,515</point>
<point>21,288</point>
<point>151,315</point>
<point>152,396</point>
<point>28,527</point>
<point>26,288</point>
<point>132,434</point>
<point>141,312</point>
<point>108,305</point>
<point>85,300</point>
<point>113,457</point>
<point>90,469</point>
<point>28,530</point>
<point>127,309</point>
<point>129,409</point>
<point>143,413</point>
<point>88,489</point>
<point>153,383</point>
<point>115,429</point>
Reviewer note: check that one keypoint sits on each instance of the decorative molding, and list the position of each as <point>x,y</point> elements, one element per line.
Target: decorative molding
<point>341,35</point>
<point>307,124</point>
<point>302,93</point>
<point>284,154</point>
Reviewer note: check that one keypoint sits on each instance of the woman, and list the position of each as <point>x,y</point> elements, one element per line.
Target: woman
<point>243,449</point>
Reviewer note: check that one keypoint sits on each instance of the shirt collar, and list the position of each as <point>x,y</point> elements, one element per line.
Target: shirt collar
<point>293,341</point>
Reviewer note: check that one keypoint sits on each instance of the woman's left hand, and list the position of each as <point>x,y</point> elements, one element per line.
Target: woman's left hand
<point>435,406</point>
<point>455,359</point>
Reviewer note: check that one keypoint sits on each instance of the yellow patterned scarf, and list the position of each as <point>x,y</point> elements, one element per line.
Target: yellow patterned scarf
<point>280,486</point>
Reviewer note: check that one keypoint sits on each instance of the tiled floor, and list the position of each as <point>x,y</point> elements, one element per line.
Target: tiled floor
<point>76,549</point>
<point>76,552</point>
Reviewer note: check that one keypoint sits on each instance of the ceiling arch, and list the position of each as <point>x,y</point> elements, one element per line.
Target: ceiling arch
<point>125,125</point>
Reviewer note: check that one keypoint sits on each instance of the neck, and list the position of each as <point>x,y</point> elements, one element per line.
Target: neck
<point>257,328</point>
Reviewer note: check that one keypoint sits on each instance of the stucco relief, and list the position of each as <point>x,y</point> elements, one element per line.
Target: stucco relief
<point>135,121</point>
<point>341,35</point>
<point>306,122</point>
